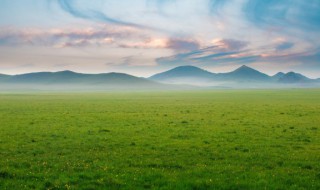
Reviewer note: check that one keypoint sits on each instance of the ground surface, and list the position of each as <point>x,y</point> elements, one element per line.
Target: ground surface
<point>233,139</point>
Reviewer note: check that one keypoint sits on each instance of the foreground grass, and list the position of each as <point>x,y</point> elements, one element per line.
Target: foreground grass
<point>169,140</point>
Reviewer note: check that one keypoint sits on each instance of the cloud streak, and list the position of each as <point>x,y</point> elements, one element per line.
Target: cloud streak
<point>80,11</point>
<point>234,52</point>
<point>121,37</point>
<point>230,44</point>
<point>64,37</point>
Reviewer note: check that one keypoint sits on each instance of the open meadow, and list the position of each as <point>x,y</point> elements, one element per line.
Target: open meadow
<point>218,139</point>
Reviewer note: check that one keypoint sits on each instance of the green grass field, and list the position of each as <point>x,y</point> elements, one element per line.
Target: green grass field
<point>223,139</point>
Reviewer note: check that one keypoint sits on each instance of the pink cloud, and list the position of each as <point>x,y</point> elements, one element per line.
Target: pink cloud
<point>119,36</point>
<point>230,44</point>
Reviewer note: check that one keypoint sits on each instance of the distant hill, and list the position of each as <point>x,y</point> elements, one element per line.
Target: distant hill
<point>71,80</point>
<point>188,74</point>
<point>293,77</point>
<point>2,76</point>
<point>241,77</point>
<point>69,77</point>
<point>184,75</point>
<point>45,77</point>
<point>244,74</point>
<point>183,72</point>
<point>277,76</point>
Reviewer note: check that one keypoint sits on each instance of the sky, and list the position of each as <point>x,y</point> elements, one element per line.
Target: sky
<point>143,37</point>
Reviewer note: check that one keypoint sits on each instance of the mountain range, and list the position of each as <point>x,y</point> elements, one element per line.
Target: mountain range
<point>243,76</point>
<point>69,80</point>
<point>69,77</point>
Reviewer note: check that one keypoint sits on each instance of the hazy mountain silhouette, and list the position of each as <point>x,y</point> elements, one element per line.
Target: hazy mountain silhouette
<point>46,77</point>
<point>67,79</point>
<point>293,77</point>
<point>244,74</point>
<point>242,77</point>
<point>183,72</point>
<point>2,76</point>
<point>277,76</point>
<point>188,73</point>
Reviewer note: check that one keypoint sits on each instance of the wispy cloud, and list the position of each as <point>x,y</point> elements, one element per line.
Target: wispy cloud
<point>230,44</point>
<point>284,13</point>
<point>69,37</point>
<point>81,11</point>
<point>120,36</point>
<point>234,52</point>
<point>146,44</point>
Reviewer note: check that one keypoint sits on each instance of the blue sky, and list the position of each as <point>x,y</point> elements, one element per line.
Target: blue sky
<point>142,37</point>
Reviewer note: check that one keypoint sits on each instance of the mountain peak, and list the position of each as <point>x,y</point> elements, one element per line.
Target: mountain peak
<point>186,71</point>
<point>245,73</point>
<point>66,71</point>
<point>292,77</point>
<point>278,75</point>
<point>244,68</point>
<point>292,73</point>
<point>187,67</point>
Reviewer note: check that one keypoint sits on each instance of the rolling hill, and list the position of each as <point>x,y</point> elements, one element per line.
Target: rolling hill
<point>292,77</point>
<point>69,77</point>
<point>73,80</point>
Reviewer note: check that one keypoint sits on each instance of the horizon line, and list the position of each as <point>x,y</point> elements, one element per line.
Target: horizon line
<point>154,73</point>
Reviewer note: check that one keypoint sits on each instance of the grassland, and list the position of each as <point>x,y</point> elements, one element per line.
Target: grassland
<point>232,139</point>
